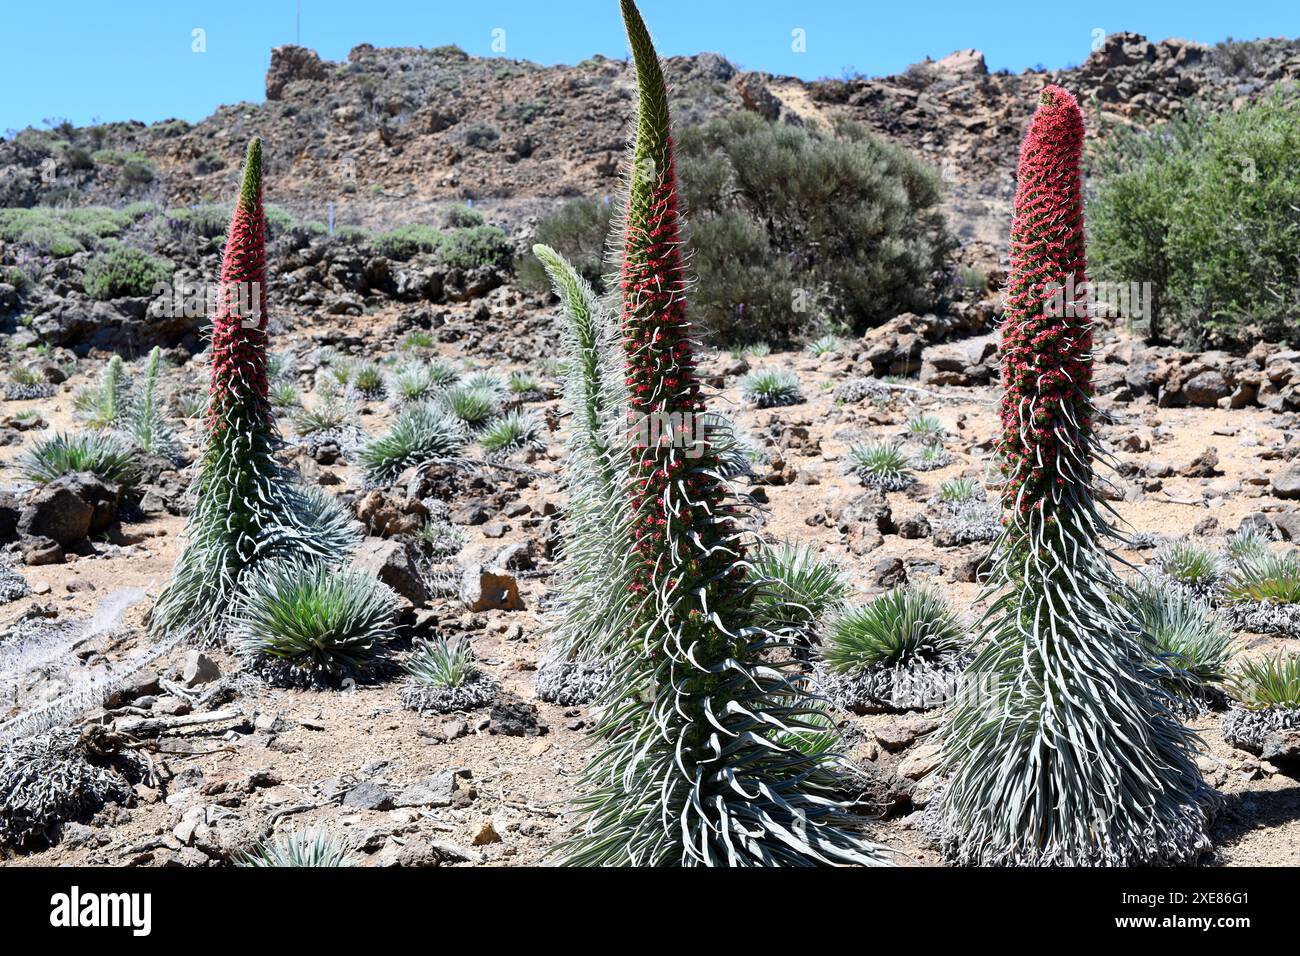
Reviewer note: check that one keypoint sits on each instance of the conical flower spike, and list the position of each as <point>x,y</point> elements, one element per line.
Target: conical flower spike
<point>700,764</point>
<point>1061,748</point>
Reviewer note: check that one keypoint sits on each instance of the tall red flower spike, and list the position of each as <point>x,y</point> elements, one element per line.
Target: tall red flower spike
<point>246,509</point>
<point>1047,334</point>
<point>1061,748</point>
<point>664,395</point>
<point>695,768</point>
<point>238,388</point>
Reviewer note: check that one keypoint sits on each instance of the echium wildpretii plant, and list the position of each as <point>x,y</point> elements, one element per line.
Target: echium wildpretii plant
<point>592,601</point>
<point>696,766</point>
<point>146,421</point>
<point>1061,748</point>
<point>246,508</point>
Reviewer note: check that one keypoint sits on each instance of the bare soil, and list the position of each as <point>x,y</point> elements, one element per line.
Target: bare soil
<point>521,786</point>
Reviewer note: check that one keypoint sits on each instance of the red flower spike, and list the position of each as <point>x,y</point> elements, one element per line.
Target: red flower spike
<point>1046,356</point>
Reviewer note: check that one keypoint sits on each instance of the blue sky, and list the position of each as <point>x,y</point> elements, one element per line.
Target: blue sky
<point>82,59</point>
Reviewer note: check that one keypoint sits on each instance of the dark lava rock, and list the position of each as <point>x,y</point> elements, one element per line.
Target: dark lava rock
<point>368,796</point>
<point>513,717</point>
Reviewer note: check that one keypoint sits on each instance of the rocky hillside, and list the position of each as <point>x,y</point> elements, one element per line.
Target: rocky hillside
<point>391,132</point>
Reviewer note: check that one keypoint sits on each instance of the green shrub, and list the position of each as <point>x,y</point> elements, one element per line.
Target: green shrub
<point>309,624</point>
<point>368,380</point>
<point>104,404</point>
<point>1268,682</point>
<point>513,431</point>
<point>62,232</point>
<point>900,626</point>
<point>1189,564</point>
<point>881,464</point>
<point>329,412</point>
<point>481,135</point>
<point>461,217</point>
<point>412,383</point>
<point>100,453</point>
<point>793,228</point>
<point>280,365</point>
<point>1207,209</point>
<point>798,587</point>
<point>192,403</point>
<point>16,277</point>
<point>822,346</point>
<point>145,423</point>
<point>1185,633</point>
<point>933,455</point>
<point>352,235</point>
<point>124,271</point>
<point>441,538</point>
<point>578,231</point>
<point>469,403</point>
<point>305,848</point>
<point>284,395</point>
<point>442,373</point>
<point>926,428</point>
<point>28,378</point>
<point>208,221</point>
<point>522,385</point>
<point>443,675</point>
<point>1246,545</point>
<point>1270,578</point>
<point>475,247</point>
<point>421,433</point>
<point>771,387</point>
<point>753,350</point>
<point>442,663</point>
<point>976,280</point>
<point>958,491</point>
<point>486,381</point>
<point>407,241</point>
<point>461,247</point>
<point>417,340</point>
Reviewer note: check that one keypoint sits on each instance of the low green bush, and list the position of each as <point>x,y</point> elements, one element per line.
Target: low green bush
<point>791,231</point>
<point>124,271</point>
<point>794,230</point>
<point>63,232</point>
<point>475,246</point>
<point>461,217</point>
<point>578,231</point>
<point>1206,209</point>
<point>407,241</point>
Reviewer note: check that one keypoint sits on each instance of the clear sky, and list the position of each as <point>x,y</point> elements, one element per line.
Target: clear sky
<point>134,59</point>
